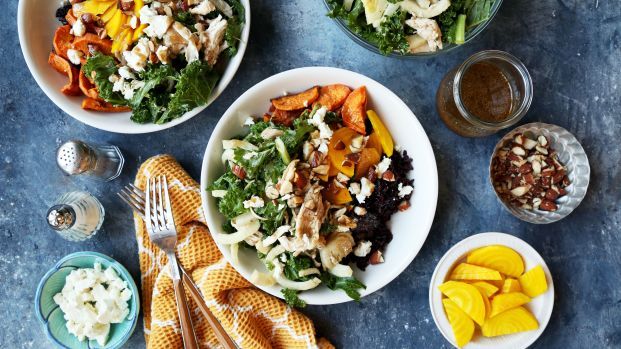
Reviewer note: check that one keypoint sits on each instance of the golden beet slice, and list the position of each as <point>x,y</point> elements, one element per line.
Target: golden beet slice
<point>298,101</point>
<point>354,110</point>
<point>333,96</point>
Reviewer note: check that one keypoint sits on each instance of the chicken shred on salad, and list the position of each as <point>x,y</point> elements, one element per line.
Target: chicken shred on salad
<point>311,188</point>
<point>411,26</point>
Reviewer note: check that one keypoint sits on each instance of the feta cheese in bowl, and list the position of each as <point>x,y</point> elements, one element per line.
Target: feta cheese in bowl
<point>87,300</point>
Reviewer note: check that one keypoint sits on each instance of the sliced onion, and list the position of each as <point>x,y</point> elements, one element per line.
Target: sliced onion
<point>223,7</point>
<point>227,239</point>
<point>342,271</point>
<point>255,215</point>
<point>238,143</point>
<point>275,252</point>
<point>294,285</point>
<point>227,155</point>
<point>280,231</point>
<point>347,4</point>
<point>262,279</point>
<point>260,246</point>
<point>235,253</point>
<point>309,271</point>
<point>242,219</point>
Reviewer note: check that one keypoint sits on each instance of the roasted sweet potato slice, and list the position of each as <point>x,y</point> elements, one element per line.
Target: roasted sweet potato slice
<point>82,44</point>
<point>354,111</point>
<point>63,66</point>
<point>63,41</point>
<point>333,96</point>
<point>87,86</point>
<point>285,117</point>
<point>70,17</point>
<point>97,105</point>
<point>298,101</point>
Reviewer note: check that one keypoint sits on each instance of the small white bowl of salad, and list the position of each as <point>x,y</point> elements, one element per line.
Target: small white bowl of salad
<point>412,28</point>
<point>133,66</point>
<point>319,185</point>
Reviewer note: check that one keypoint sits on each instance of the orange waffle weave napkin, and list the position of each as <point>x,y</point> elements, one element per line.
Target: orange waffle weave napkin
<point>251,317</point>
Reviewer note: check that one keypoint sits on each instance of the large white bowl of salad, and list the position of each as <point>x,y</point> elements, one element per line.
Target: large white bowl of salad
<point>133,66</point>
<point>412,28</point>
<point>319,185</point>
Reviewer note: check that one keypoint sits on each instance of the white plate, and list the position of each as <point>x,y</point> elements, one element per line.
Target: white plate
<point>36,22</point>
<point>541,306</point>
<point>410,228</point>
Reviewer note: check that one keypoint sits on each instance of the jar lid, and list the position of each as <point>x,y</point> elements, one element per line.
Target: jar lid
<point>61,217</point>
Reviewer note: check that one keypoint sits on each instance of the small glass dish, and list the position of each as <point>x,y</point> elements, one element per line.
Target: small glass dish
<point>470,34</point>
<point>570,154</point>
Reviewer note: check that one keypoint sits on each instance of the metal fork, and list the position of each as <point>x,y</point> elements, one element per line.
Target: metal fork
<point>162,231</point>
<point>135,198</point>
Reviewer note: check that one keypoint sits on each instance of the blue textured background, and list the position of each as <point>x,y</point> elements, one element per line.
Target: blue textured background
<point>572,49</point>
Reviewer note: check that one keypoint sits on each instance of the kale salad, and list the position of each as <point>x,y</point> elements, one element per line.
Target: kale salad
<point>310,188</point>
<point>157,59</point>
<point>411,26</point>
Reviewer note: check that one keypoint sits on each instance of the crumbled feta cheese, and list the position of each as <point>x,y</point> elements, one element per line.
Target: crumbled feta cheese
<point>203,8</point>
<point>383,166</point>
<point>317,120</point>
<point>362,249</point>
<point>74,56</point>
<point>137,57</point>
<point>366,189</point>
<point>404,190</point>
<point>133,22</point>
<point>254,202</point>
<point>90,307</point>
<point>113,78</point>
<point>323,148</point>
<point>360,211</point>
<point>249,121</point>
<point>78,28</point>
<point>354,188</point>
<point>147,13</point>
<point>126,73</point>
<point>398,148</point>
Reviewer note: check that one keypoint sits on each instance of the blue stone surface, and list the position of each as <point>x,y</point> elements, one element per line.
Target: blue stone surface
<point>573,51</point>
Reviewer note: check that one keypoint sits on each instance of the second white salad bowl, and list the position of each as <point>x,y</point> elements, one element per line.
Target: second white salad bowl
<point>410,228</point>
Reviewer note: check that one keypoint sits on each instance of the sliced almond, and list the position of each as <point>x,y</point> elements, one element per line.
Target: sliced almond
<point>519,191</point>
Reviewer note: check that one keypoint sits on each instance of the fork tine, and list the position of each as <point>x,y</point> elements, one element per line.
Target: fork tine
<point>160,203</point>
<point>132,202</point>
<point>136,190</point>
<point>148,208</point>
<point>167,205</point>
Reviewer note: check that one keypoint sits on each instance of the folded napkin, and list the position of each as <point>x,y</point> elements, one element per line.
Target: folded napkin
<point>251,317</point>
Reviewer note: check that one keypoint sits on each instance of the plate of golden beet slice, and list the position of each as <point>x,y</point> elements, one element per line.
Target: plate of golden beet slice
<point>491,290</point>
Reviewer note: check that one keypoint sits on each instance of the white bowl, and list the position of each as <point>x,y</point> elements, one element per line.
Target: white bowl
<point>410,228</point>
<point>541,306</point>
<point>36,22</point>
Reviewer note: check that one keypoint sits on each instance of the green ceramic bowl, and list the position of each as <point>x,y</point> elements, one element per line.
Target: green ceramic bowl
<point>51,316</point>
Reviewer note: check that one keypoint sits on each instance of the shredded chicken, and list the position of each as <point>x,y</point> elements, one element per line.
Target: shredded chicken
<point>427,29</point>
<point>310,218</point>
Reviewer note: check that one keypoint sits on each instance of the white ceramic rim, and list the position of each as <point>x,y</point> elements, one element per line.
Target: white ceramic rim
<point>337,296</point>
<point>102,122</point>
<point>541,306</point>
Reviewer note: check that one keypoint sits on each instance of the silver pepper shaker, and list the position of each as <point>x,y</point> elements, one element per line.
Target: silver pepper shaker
<point>76,216</point>
<point>99,162</point>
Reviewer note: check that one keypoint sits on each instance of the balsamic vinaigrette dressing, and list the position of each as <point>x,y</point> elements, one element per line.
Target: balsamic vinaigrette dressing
<point>486,92</point>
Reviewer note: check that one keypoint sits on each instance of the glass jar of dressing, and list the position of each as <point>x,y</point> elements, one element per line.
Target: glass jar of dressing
<point>490,91</point>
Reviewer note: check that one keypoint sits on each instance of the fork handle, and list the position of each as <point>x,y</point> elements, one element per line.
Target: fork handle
<point>187,329</point>
<point>223,337</point>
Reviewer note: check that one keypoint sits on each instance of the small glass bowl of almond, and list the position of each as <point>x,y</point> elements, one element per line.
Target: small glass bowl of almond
<point>539,172</point>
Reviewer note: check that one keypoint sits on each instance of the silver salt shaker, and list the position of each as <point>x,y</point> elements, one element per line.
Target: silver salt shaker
<point>76,216</point>
<point>99,162</point>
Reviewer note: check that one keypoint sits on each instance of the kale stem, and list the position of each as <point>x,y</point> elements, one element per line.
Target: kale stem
<point>460,31</point>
